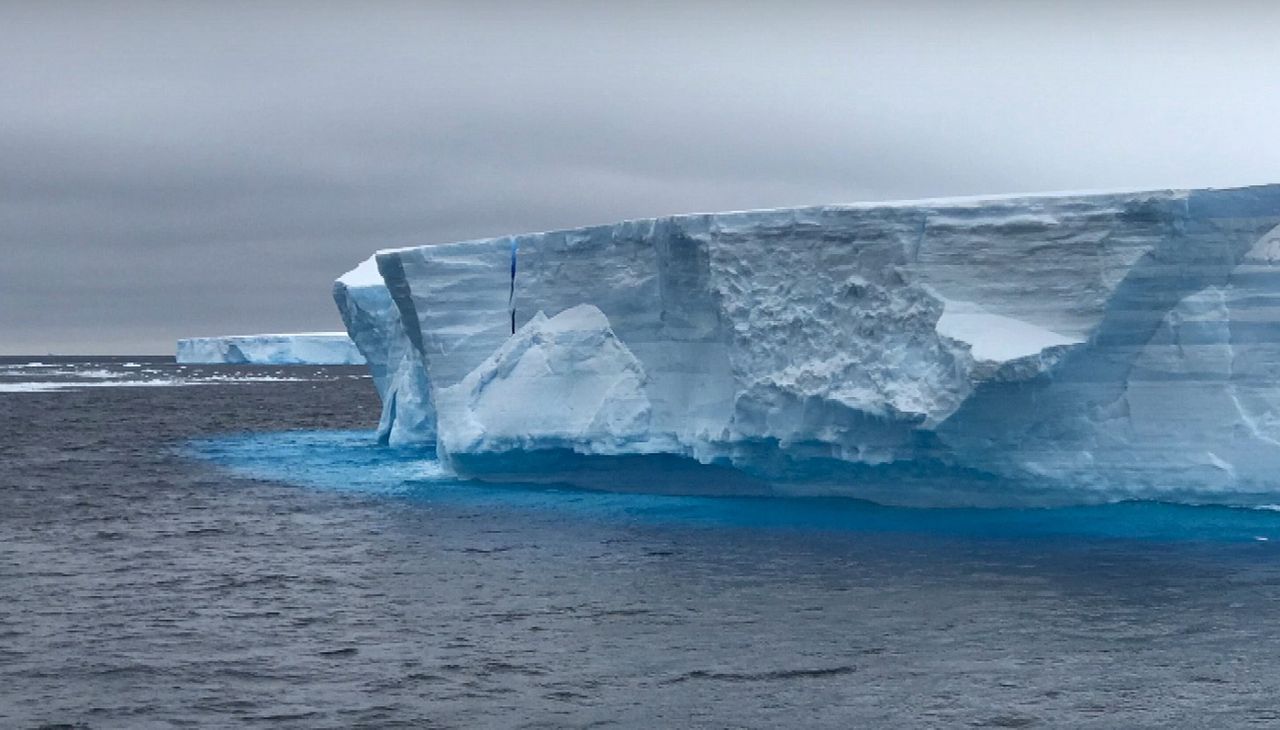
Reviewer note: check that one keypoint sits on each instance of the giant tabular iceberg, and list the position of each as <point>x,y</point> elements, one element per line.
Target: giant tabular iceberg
<point>979,351</point>
<point>311,348</point>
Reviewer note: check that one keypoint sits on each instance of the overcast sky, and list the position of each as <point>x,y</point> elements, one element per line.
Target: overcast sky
<point>174,169</point>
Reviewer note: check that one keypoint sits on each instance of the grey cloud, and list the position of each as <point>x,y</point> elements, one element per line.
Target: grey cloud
<point>178,169</point>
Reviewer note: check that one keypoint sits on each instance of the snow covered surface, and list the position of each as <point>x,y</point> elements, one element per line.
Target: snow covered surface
<point>308,348</point>
<point>995,337</point>
<point>1068,348</point>
<point>365,274</point>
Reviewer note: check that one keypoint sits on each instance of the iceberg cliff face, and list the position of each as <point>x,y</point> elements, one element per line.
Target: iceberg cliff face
<point>1008,350</point>
<point>371,318</point>
<point>314,348</point>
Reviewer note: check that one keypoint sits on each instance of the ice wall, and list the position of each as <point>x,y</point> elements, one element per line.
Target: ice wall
<point>373,322</point>
<point>312,348</point>
<point>1015,349</point>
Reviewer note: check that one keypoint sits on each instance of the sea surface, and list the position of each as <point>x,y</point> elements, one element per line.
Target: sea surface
<point>226,546</point>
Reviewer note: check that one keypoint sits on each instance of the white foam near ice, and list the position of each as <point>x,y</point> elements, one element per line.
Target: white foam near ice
<point>64,385</point>
<point>55,385</point>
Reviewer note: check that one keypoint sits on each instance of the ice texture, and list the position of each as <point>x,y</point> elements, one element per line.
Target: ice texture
<point>572,360</point>
<point>1011,350</point>
<point>309,348</point>
<point>373,321</point>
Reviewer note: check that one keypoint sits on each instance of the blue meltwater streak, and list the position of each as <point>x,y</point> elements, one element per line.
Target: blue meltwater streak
<point>511,296</point>
<point>350,461</point>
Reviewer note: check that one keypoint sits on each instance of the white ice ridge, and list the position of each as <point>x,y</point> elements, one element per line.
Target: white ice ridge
<point>978,351</point>
<point>306,348</point>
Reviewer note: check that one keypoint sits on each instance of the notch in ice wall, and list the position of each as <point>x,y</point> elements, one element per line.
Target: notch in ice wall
<point>993,350</point>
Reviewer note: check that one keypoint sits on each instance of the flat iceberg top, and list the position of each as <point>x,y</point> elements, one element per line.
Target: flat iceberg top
<point>365,273</point>
<point>301,348</point>
<point>273,335</point>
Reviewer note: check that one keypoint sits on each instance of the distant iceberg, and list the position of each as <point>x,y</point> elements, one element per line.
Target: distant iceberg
<point>311,348</point>
<point>1007,350</point>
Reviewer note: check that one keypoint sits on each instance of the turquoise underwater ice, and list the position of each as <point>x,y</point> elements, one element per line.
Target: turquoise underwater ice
<point>352,462</point>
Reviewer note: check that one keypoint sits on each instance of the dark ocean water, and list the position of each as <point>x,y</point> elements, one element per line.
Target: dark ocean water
<point>225,546</point>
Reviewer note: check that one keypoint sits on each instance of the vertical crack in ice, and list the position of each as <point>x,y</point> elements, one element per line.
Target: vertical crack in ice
<point>919,242</point>
<point>511,296</point>
<point>388,420</point>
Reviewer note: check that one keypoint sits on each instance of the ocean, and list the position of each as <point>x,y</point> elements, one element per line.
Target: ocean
<point>227,546</point>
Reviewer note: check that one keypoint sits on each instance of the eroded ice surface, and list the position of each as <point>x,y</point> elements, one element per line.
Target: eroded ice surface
<point>573,360</point>
<point>373,321</point>
<point>308,348</point>
<point>1052,348</point>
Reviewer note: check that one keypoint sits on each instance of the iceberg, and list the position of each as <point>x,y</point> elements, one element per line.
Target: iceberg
<point>311,348</point>
<point>1060,348</point>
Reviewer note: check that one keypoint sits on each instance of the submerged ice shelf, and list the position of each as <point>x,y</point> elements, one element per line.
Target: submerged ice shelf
<point>1073,348</point>
<point>346,461</point>
<point>312,348</point>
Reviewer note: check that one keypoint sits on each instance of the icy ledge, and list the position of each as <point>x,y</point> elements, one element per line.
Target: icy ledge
<point>312,348</point>
<point>1013,350</point>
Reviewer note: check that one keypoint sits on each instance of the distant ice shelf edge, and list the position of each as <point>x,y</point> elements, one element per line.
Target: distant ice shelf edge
<point>1011,350</point>
<point>310,348</point>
